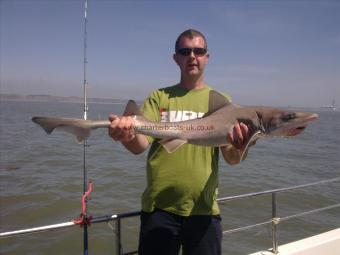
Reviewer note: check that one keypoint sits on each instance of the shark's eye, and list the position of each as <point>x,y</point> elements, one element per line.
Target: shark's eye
<point>289,116</point>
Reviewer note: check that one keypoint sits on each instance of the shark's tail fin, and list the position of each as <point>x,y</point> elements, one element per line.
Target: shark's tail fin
<point>45,124</point>
<point>131,108</point>
<point>76,127</point>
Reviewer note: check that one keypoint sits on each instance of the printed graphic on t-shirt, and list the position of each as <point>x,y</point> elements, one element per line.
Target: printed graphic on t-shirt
<point>175,116</point>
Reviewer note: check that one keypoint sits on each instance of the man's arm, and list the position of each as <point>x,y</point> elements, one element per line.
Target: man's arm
<point>121,129</point>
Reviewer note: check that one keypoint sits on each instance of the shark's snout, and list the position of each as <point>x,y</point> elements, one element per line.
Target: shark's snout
<point>313,117</point>
<point>303,125</point>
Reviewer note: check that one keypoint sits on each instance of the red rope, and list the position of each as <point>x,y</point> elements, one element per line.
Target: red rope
<point>84,219</point>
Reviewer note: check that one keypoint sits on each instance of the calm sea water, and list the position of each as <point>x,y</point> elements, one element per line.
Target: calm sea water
<point>41,183</point>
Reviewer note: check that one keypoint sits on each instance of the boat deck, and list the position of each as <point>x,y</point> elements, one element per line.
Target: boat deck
<point>327,243</point>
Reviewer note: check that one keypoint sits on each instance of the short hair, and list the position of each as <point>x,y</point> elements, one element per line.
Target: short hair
<point>191,33</point>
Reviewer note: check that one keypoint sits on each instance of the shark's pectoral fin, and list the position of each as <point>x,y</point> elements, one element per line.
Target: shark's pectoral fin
<point>251,140</point>
<point>171,145</point>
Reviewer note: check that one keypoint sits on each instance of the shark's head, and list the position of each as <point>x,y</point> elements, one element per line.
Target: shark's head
<point>276,122</point>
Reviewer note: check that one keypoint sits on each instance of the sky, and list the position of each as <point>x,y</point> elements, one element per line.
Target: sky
<point>261,52</point>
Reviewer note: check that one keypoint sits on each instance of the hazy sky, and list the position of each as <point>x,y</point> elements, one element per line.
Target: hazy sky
<point>261,52</point>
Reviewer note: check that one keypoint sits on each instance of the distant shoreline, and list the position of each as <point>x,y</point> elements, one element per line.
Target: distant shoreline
<point>58,99</point>
<point>96,100</point>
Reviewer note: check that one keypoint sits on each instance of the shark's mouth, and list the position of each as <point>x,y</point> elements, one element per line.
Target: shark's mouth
<point>296,131</point>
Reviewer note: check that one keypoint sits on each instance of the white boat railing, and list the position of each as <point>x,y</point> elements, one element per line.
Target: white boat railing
<point>275,220</point>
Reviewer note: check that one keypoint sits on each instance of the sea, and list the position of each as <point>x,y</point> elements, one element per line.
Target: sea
<point>41,183</point>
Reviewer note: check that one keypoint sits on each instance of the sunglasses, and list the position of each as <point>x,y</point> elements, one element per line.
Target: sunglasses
<point>187,51</point>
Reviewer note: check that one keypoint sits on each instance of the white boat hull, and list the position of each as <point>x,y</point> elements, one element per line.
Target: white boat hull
<point>327,243</point>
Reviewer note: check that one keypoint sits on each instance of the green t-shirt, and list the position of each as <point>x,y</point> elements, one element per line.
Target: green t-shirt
<point>184,182</point>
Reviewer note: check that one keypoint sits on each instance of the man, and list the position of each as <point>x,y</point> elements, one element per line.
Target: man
<point>179,203</point>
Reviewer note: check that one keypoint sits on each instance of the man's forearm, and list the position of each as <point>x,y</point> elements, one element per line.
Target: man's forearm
<point>137,145</point>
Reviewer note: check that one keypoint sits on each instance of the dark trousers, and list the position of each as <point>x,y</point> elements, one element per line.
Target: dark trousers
<point>163,233</point>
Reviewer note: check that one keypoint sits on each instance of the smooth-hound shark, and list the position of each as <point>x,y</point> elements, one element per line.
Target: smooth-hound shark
<point>210,130</point>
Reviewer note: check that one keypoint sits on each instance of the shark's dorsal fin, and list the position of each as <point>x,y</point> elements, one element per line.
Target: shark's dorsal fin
<point>216,101</point>
<point>132,108</point>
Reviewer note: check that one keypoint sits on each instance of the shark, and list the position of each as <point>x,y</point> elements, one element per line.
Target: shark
<point>209,130</point>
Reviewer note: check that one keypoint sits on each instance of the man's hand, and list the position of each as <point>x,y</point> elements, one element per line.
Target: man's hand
<point>239,136</point>
<point>121,128</point>
<point>238,139</point>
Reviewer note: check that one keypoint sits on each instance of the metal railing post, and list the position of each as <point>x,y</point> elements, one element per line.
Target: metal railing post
<point>118,237</point>
<point>275,222</point>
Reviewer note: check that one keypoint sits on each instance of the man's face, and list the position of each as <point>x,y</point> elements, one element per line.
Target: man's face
<point>191,65</point>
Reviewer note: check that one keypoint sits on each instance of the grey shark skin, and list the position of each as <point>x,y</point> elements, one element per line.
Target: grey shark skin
<point>210,130</point>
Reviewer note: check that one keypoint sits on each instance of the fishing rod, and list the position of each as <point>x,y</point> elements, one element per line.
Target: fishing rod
<point>84,213</point>
<point>85,61</point>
